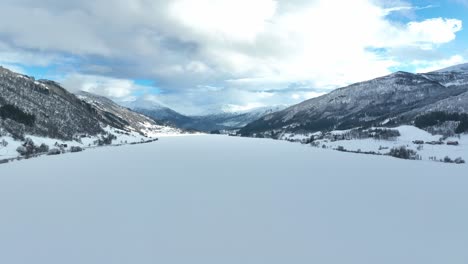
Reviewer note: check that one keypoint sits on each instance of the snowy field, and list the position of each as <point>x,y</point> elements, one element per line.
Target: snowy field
<point>9,151</point>
<point>408,134</point>
<point>228,200</point>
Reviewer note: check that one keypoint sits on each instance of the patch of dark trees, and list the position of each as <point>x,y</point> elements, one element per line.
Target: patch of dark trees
<point>12,112</point>
<point>438,118</point>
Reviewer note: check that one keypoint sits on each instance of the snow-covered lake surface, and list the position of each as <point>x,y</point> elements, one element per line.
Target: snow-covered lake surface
<point>227,200</point>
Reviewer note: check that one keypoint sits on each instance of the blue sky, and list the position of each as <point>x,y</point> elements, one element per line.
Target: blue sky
<point>197,55</point>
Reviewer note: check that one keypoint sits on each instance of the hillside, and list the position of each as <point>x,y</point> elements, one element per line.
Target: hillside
<point>123,118</point>
<point>391,100</point>
<point>42,108</point>
<point>41,117</point>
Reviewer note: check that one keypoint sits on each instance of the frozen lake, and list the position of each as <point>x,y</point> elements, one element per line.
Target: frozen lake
<point>226,200</point>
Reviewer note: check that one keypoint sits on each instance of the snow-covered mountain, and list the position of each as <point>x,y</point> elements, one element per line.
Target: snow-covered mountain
<point>43,108</point>
<point>461,68</point>
<point>224,120</point>
<point>123,118</point>
<point>395,99</point>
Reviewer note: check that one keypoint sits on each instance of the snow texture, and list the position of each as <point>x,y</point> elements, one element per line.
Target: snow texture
<point>229,200</point>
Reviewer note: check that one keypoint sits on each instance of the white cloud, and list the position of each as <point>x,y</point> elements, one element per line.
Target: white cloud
<point>113,87</point>
<point>244,46</point>
<point>434,31</point>
<point>240,20</point>
<point>428,66</point>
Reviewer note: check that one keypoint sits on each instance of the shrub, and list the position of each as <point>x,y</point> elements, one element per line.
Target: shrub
<point>54,151</point>
<point>43,148</point>
<point>384,134</point>
<point>404,153</point>
<point>459,161</point>
<point>106,140</point>
<point>28,148</point>
<point>75,149</point>
<point>22,150</point>
<point>447,160</point>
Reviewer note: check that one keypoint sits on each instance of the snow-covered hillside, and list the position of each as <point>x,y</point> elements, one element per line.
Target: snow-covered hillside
<point>9,146</point>
<point>42,117</point>
<point>229,200</point>
<point>400,97</point>
<point>426,145</point>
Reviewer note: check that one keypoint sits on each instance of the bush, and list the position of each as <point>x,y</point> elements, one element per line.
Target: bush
<point>404,153</point>
<point>106,140</point>
<point>447,160</point>
<point>459,161</point>
<point>3,143</point>
<point>54,151</point>
<point>29,148</point>
<point>22,150</point>
<point>75,149</point>
<point>384,134</point>
<point>43,148</point>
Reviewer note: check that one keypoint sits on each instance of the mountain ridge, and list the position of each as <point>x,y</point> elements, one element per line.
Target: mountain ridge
<point>367,103</point>
<point>45,108</point>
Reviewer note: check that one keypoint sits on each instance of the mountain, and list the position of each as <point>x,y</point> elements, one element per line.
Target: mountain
<point>120,117</point>
<point>461,68</point>
<point>44,108</point>
<point>166,116</point>
<point>398,98</point>
<point>232,120</point>
<point>207,123</point>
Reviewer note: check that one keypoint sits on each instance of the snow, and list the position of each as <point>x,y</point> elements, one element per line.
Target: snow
<point>409,134</point>
<point>230,200</point>
<point>456,68</point>
<point>123,137</point>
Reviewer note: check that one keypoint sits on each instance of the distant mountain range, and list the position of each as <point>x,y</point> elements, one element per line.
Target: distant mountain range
<point>44,108</point>
<point>399,98</point>
<point>206,123</point>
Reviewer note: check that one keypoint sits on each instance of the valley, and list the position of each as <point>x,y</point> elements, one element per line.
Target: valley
<point>218,199</point>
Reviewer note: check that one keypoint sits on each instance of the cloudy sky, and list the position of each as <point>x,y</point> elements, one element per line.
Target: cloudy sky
<point>198,56</point>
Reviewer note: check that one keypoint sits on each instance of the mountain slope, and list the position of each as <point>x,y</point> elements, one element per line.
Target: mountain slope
<point>166,116</point>
<point>42,108</point>
<point>120,117</point>
<point>363,104</point>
